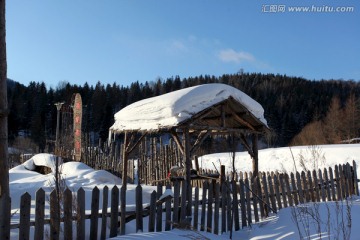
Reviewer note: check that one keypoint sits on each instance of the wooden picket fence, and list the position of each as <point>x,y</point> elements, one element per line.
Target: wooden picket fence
<point>222,206</point>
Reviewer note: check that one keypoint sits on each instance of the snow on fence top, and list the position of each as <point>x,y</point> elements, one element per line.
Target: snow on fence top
<point>171,109</point>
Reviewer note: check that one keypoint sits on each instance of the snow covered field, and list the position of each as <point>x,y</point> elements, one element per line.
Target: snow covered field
<point>280,226</point>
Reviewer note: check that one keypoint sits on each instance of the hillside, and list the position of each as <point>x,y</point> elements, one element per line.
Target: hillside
<point>290,103</point>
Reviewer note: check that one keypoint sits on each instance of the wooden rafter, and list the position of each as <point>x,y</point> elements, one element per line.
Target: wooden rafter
<point>177,140</point>
<point>242,121</point>
<point>201,137</point>
<point>130,149</point>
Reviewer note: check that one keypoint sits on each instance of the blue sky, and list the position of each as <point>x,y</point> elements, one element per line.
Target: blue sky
<point>124,41</point>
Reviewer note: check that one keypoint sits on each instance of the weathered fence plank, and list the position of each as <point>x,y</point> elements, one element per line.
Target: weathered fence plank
<point>248,202</point>
<point>114,211</point>
<point>25,205</point>
<point>310,184</point>
<point>80,230</point>
<point>223,206</point>
<point>168,211</point>
<point>94,218</point>
<point>39,214</point>
<point>316,186</point>
<point>283,190</point>
<point>152,214</point>
<point>272,193</point>
<point>68,230</point>
<point>176,202</point>
<point>298,182</point>
<point>203,206</point>
<point>355,178</point>
<point>104,212</point>
<point>159,192</point>
<point>54,216</point>
<point>217,208</point>
<point>209,208</point>
<point>255,200</point>
<point>242,204</point>
<point>139,208</point>
<point>277,190</point>
<point>235,206</point>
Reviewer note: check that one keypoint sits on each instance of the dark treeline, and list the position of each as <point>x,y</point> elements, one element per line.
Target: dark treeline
<point>290,103</point>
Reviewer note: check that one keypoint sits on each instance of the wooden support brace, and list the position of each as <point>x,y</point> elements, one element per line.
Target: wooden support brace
<point>177,140</point>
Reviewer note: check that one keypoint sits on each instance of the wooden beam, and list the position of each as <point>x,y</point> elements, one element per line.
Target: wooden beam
<point>129,141</point>
<point>129,150</point>
<point>221,129</point>
<point>246,145</point>
<point>223,116</point>
<point>201,137</point>
<point>242,121</point>
<point>187,170</point>
<point>256,155</point>
<point>177,140</point>
<point>125,159</point>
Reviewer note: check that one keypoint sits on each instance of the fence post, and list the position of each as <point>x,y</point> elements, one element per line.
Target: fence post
<point>326,180</point>
<point>203,206</point>
<point>159,192</point>
<point>81,214</point>
<point>298,182</point>
<point>39,214</point>
<point>272,197</point>
<point>355,179</point>
<point>255,192</point>
<point>209,208</point>
<point>288,190</point>
<point>176,202</point>
<point>104,212</point>
<point>139,208</point>
<point>305,187</point>
<point>114,211</point>
<point>316,186</point>
<point>196,209</point>
<point>283,190</point>
<point>54,215</point>
<point>94,213</point>
<point>248,201</point>
<point>235,206</point>
<point>277,190</point>
<point>338,184</point>
<point>333,193</point>
<point>168,210</point>
<point>68,231</point>
<point>25,204</point>
<point>311,190</point>
<point>152,211</point>
<point>122,208</point>
<point>242,204</point>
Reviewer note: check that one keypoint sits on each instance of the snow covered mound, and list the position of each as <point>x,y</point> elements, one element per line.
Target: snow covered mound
<point>42,159</point>
<point>23,178</point>
<point>175,107</point>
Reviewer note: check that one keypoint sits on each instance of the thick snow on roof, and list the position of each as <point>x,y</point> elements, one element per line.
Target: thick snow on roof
<point>175,107</point>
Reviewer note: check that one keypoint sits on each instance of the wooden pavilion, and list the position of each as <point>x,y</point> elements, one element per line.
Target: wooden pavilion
<point>190,115</point>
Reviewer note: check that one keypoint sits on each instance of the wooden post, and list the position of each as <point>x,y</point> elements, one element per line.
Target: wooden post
<point>255,158</point>
<point>188,168</point>
<point>4,168</point>
<point>123,188</point>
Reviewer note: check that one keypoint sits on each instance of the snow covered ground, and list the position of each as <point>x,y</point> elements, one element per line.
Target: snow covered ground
<point>280,226</point>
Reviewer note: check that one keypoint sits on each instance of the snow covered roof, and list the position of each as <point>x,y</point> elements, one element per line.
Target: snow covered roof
<point>199,102</point>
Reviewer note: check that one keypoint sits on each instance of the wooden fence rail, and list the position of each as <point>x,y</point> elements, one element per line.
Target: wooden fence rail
<point>221,207</point>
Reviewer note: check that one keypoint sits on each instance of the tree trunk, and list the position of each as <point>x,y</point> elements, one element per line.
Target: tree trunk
<point>4,168</point>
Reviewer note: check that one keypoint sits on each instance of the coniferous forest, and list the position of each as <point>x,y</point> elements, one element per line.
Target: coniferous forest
<point>293,105</point>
